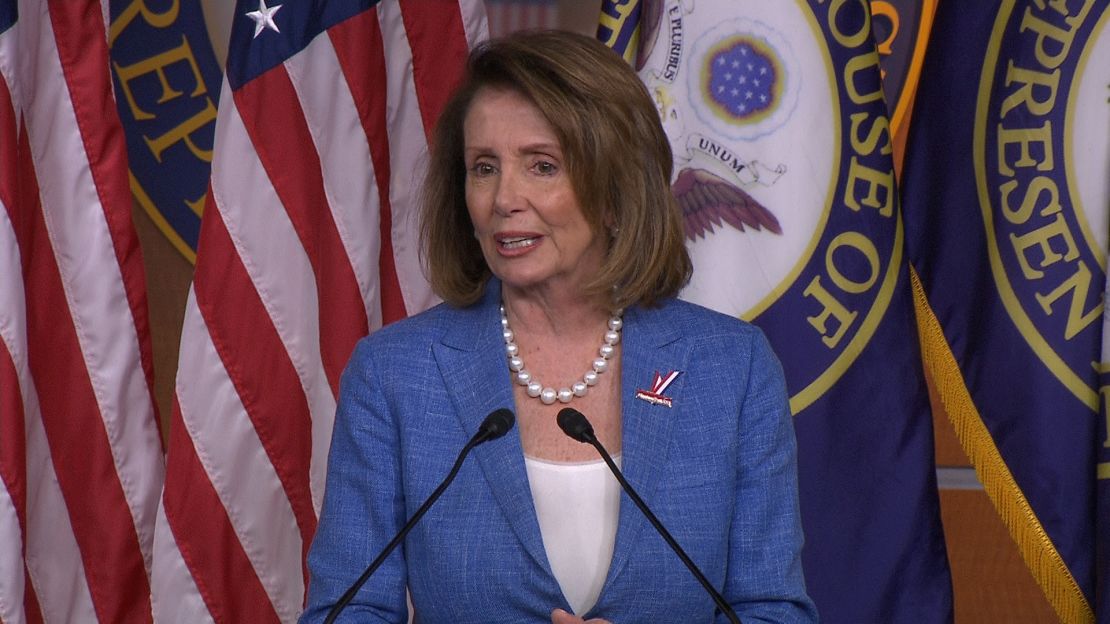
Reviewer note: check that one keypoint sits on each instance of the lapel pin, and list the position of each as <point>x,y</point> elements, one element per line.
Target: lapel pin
<point>655,396</point>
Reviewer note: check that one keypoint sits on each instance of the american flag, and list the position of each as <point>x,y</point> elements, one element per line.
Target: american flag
<point>307,243</point>
<point>80,452</point>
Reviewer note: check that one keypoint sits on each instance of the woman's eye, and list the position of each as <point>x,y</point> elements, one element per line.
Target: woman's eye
<point>482,169</point>
<point>545,168</point>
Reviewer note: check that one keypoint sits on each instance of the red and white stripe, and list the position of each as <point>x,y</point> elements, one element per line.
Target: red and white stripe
<point>662,382</point>
<point>80,451</point>
<point>508,16</point>
<point>308,242</point>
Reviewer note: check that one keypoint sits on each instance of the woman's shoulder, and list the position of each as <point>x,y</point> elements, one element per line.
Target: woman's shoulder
<point>424,323</point>
<point>412,333</point>
<point>697,321</point>
<point>713,335</point>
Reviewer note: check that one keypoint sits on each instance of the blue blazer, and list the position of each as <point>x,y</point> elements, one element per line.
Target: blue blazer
<point>718,468</point>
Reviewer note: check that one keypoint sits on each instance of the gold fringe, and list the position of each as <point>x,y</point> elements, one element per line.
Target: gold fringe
<point>1040,555</point>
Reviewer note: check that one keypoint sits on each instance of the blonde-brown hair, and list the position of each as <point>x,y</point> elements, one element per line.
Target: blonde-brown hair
<point>617,157</point>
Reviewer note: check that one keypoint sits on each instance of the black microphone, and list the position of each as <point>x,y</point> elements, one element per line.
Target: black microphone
<point>575,425</point>
<point>497,424</point>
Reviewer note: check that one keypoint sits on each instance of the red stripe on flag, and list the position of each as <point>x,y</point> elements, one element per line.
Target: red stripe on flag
<point>81,41</point>
<point>275,121</point>
<point>358,45</point>
<point>257,363</point>
<point>8,132</point>
<point>13,460</point>
<point>200,525</point>
<point>435,32</point>
<point>79,36</point>
<point>83,460</point>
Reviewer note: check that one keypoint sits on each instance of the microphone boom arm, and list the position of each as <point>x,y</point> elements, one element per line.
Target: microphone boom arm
<point>578,427</point>
<point>494,426</point>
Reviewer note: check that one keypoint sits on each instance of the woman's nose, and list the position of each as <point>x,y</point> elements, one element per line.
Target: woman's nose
<point>510,194</point>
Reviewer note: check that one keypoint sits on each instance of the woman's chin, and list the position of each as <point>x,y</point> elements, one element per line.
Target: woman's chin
<point>527,281</point>
<point>521,282</point>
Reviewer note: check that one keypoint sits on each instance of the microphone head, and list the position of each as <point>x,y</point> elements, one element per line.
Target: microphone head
<point>575,425</point>
<point>497,424</point>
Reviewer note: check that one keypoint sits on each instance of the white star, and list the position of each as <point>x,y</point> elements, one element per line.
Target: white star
<point>264,17</point>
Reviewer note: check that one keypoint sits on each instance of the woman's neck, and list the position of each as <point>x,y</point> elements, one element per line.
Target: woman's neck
<point>539,312</point>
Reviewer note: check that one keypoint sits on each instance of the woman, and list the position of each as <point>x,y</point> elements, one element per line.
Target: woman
<point>550,231</point>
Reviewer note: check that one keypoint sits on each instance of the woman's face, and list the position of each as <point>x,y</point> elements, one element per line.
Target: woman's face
<point>525,213</point>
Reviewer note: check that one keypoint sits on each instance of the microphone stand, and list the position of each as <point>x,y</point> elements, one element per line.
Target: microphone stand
<point>575,425</point>
<point>494,426</point>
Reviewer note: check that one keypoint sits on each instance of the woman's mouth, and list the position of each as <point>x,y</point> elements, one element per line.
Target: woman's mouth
<point>518,242</point>
<point>514,243</point>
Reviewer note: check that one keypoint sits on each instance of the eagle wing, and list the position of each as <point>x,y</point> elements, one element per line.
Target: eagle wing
<point>708,201</point>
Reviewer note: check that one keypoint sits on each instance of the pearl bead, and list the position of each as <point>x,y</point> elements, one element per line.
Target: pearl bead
<point>579,388</point>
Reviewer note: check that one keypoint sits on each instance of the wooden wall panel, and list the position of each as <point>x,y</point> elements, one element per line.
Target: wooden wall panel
<point>168,275</point>
<point>991,582</point>
<point>949,453</point>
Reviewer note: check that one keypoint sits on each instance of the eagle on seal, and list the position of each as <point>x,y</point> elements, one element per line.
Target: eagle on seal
<point>707,200</point>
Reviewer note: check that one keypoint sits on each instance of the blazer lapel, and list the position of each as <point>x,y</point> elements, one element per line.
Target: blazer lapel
<point>471,359</point>
<point>651,343</point>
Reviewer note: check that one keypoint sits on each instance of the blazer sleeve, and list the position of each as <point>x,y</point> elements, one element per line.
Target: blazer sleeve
<point>764,581</point>
<point>363,504</point>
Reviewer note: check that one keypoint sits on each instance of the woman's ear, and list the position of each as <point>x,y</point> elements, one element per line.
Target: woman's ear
<point>609,222</point>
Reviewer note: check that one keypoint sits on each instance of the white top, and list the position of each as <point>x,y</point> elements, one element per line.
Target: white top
<point>577,505</point>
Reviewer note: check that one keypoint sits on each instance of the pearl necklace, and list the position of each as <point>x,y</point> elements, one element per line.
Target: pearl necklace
<point>578,389</point>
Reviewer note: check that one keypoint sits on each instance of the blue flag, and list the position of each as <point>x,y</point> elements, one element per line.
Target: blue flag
<point>784,173</point>
<point>1006,201</point>
<point>167,84</point>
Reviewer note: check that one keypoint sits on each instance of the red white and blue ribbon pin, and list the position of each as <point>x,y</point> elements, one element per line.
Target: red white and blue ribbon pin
<point>655,396</point>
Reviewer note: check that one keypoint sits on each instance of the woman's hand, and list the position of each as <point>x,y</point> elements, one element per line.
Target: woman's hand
<point>558,616</point>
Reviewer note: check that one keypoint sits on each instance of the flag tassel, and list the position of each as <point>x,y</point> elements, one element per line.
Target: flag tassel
<point>1038,551</point>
